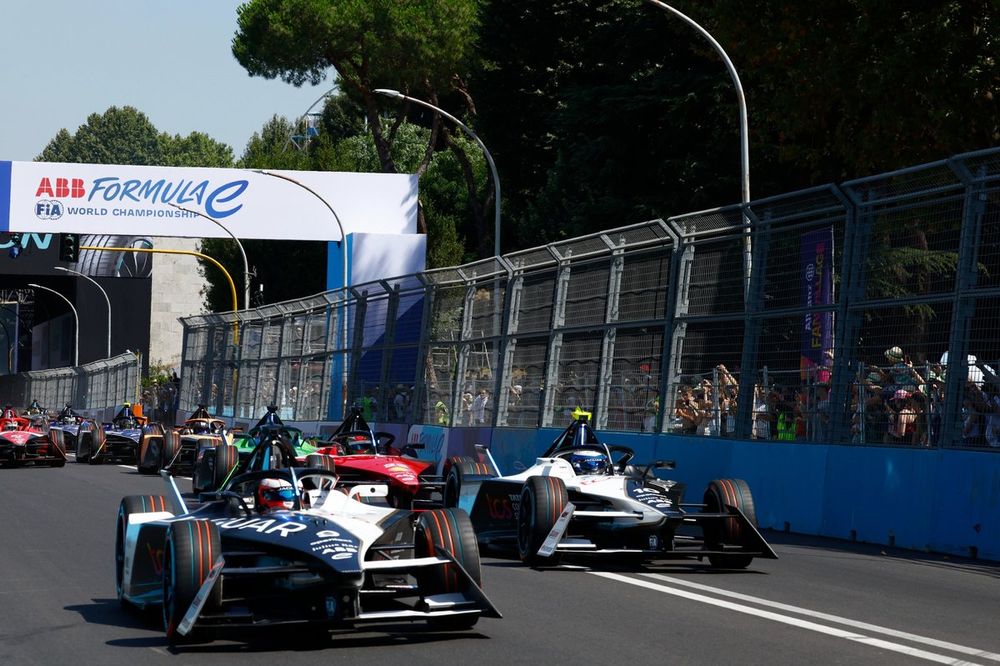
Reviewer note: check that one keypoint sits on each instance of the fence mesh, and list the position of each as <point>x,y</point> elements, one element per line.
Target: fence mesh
<point>824,315</point>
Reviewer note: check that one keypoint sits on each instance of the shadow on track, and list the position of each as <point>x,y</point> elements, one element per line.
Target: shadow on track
<point>260,639</point>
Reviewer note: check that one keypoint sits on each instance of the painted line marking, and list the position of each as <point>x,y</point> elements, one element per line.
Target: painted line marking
<point>945,645</point>
<point>784,619</point>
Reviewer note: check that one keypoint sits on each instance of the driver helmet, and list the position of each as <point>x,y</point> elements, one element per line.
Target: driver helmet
<point>358,444</point>
<point>274,495</point>
<point>10,425</point>
<point>200,428</point>
<point>589,462</point>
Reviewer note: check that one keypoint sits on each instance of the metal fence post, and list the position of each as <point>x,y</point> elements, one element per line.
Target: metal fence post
<point>552,359</point>
<point>607,360</point>
<point>752,323</point>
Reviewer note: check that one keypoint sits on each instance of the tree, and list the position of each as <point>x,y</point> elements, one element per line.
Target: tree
<point>422,46</point>
<point>118,136</point>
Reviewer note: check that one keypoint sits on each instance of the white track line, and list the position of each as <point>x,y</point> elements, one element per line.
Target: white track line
<point>933,642</point>
<point>796,622</point>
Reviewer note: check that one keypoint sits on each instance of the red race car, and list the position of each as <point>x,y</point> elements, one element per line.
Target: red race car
<point>28,441</point>
<point>361,455</point>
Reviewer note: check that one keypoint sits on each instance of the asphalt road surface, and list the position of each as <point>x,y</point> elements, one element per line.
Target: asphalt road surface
<point>823,602</point>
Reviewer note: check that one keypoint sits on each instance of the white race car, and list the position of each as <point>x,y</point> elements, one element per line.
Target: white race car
<point>583,496</point>
<point>285,546</point>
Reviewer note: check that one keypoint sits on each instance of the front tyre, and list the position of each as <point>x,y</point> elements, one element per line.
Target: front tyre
<point>719,494</point>
<point>543,498</point>
<point>451,530</point>
<point>191,548</point>
<point>129,505</point>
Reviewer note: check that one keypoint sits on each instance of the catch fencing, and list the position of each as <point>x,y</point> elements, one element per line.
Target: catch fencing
<point>823,315</point>
<point>93,386</point>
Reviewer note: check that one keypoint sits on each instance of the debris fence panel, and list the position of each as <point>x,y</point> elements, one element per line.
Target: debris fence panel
<point>822,315</point>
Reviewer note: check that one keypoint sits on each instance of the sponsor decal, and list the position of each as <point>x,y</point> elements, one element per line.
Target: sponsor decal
<point>503,507</point>
<point>651,497</point>
<point>334,546</point>
<point>261,525</point>
<point>217,200</point>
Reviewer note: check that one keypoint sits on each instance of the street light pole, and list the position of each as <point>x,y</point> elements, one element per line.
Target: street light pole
<point>76,318</point>
<point>106,299</point>
<point>343,262</point>
<point>395,94</point>
<point>744,134</point>
<point>246,266</point>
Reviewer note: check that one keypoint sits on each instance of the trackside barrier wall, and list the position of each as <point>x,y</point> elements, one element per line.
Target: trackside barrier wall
<point>862,321</point>
<point>92,388</point>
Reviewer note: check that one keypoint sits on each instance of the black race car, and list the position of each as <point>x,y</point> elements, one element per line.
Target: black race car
<point>287,547</point>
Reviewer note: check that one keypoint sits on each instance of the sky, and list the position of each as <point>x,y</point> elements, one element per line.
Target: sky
<point>171,59</point>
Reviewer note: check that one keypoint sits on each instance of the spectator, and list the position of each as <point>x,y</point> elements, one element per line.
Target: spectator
<point>901,373</point>
<point>479,407</point>
<point>902,419</point>
<point>399,404</point>
<point>467,401</point>
<point>822,433</point>
<point>685,412</point>
<point>763,413</point>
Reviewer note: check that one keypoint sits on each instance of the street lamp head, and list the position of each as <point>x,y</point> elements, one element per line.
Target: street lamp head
<point>388,92</point>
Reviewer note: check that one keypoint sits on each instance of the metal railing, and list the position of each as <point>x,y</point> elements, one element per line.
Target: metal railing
<point>97,385</point>
<point>848,280</point>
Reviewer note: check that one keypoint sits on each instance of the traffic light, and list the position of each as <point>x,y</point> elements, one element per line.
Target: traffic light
<point>15,246</point>
<point>69,247</point>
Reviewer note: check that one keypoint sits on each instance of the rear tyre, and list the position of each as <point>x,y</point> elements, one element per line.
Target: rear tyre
<point>84,444</point>
<point>451,530</point>
<point>58,448</point>
<point>129,505</point>
<point>171,445</point>
<point>459,467</point>
<point>98,439</point>
<point>321,461</point>
<point>150,450</point>
<point>191,548</point>
<point>226,457</point>
<point>728,531</point>
<point>543,498</point>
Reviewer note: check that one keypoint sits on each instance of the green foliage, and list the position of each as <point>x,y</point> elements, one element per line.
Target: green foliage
<point>126,136</point>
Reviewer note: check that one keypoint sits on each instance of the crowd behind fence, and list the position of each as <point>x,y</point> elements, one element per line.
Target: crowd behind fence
<point>836,326</point>
<point>92,386</point>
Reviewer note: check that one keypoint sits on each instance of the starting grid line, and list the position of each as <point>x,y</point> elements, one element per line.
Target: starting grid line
<point>807,624</point>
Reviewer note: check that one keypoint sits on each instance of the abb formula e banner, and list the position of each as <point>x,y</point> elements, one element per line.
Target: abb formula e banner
<point>51,197</point>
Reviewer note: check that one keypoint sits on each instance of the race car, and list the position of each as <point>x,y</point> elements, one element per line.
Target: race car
<point>27,441</point>
<point>178,450</point>
<point>68,422</point>
<point>269,444</point>
<point>117,441</point>
<point>359,454</point>
<point>585,497</point>
<point>285,547</point>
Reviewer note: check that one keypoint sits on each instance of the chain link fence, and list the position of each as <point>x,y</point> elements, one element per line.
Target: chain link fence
<point>823,315</point>
<point>98,385</point>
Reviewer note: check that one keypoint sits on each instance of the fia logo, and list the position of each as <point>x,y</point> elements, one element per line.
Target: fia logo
<point>48,209</point>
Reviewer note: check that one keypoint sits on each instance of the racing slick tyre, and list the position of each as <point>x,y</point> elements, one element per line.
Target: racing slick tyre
<point>719,494</point>
<point>451,530</point>
<point>129,505</point>
<point>321,461</point>
<point>226,457</point>
<point>84,444</point>
<point>98,439</point>
<point>543,498</point>
<point>150,450</point>
<point>58,448</point>
<point>171,445</point>
<point>458,468</point>
<point>191,548</point>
